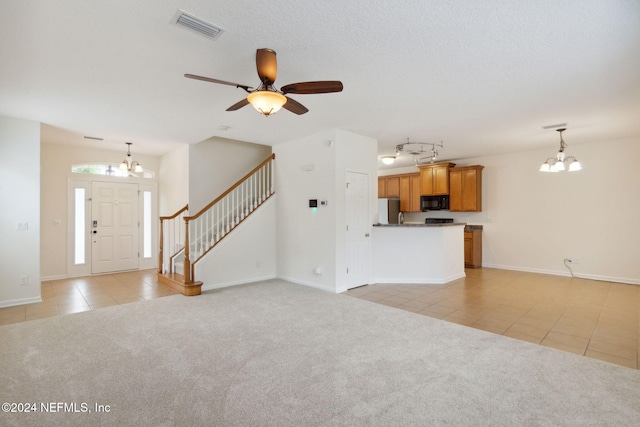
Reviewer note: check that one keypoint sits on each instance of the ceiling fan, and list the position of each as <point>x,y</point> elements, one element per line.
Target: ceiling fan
<point>266,98</point>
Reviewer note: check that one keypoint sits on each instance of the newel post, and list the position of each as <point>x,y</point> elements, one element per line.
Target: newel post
<point>187,261</point>
<point>161,254</point>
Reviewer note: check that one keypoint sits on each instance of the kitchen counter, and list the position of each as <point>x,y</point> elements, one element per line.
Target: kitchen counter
<point>418,253</point>
<point>420,224</point>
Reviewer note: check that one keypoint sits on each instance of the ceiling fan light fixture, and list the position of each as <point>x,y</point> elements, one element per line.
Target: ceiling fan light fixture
<point>266,102</point>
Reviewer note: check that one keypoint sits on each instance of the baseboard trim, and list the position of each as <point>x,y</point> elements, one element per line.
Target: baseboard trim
<point>442,281</point>
<point>311,285</point>
<point>624,280</point>
<point>56,277</point>
<point>21,301</point>
<point>238,282</point>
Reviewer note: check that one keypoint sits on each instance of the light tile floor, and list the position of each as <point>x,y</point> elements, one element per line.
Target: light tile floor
<point>88,293</point>
<point>592,318</point>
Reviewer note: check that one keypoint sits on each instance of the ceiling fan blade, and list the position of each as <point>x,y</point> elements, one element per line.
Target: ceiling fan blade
<point>238,105</point>
<point>267,65</point>
<point>313,87</point>
<point>294,106</point>
<point>222,82</point>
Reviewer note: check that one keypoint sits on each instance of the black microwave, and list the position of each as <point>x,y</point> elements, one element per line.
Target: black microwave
<point>434,203</point>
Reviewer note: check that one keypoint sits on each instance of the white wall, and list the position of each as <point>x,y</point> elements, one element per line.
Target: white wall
<point>248,254</point>
<point>57,160</point>
<point>173,180</point>
<point>314,168</point>
<point>216,164</point>
<point>20,177</point>
<point>354,153</point>
<point>306,237</point>
<point>533,220</point>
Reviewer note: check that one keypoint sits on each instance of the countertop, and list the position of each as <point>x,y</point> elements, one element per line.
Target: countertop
<point>419,224</point>
<point>467,227</point>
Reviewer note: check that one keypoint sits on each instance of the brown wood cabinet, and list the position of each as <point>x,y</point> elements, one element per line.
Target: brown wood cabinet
<point>473,249</point>
<point>434,179</point>
<point>465,189</point>
<point>410,192</point>
<point>388,186</point>
<point>405,186</point>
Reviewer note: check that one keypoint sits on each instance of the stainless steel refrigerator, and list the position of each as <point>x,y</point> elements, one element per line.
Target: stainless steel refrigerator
<point>388,210</point>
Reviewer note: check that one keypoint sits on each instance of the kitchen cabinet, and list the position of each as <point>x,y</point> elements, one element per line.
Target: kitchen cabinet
<point>434,179</point>
<point>465,189</point>
<point>472,249</point>
<point>410,192</point>
<point>388,186</point>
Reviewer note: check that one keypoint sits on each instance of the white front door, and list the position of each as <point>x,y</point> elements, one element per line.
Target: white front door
<point>358,229</point>
<point>114,227</point>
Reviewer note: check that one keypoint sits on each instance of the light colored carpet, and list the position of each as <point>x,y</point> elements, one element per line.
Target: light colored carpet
<point>278,354</point>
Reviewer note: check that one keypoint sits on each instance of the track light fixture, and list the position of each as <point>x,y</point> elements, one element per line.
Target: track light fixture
<point>418,148</point>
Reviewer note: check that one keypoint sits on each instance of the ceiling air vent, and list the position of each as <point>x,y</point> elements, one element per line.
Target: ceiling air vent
<point>198,25</point>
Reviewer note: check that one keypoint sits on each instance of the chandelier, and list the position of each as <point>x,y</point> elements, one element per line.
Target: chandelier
<point>559,162</point>
<point>128,163</point>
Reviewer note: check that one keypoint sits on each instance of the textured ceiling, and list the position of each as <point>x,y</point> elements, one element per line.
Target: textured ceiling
<point>481,76</point>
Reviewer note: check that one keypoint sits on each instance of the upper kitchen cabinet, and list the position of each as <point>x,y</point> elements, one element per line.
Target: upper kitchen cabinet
<point>388,186</point>
<point>410,192</point>
<point>434,179</point>
<point>465,189</point>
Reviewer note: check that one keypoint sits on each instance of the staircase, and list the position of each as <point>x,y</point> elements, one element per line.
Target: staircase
<point>185,239</point>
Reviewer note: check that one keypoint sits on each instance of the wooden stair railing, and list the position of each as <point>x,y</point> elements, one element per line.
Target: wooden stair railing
<point>210,225</point>
<point>166,261</point>
<point>213,222</point>
<point>175,231</point>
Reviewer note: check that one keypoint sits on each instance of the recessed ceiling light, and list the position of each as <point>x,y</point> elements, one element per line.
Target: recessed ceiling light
<point>223,127</point>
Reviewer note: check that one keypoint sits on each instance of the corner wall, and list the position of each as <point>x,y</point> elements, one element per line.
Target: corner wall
<point>308,239</point>
<point>20,177</point>
<point>216,164</point>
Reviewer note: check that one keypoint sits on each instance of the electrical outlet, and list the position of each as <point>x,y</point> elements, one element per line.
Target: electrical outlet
<point>24,280</point>
<point>573,260</point>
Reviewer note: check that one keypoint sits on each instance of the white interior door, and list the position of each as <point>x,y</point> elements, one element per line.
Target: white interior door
<point>114,227</point>
<point>358,229</point>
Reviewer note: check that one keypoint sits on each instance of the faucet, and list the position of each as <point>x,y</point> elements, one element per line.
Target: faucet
<point>400,218</point>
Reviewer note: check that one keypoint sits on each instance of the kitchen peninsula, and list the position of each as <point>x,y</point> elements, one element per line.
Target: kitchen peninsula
<point>418,253</point>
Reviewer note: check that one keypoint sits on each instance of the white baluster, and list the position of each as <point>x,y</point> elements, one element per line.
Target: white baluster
<point>239,207</point>
<point>226,216</point>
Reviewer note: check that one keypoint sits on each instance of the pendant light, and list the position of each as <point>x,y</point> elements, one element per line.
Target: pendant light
<point>128,163</point>
<point>557,163</point>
